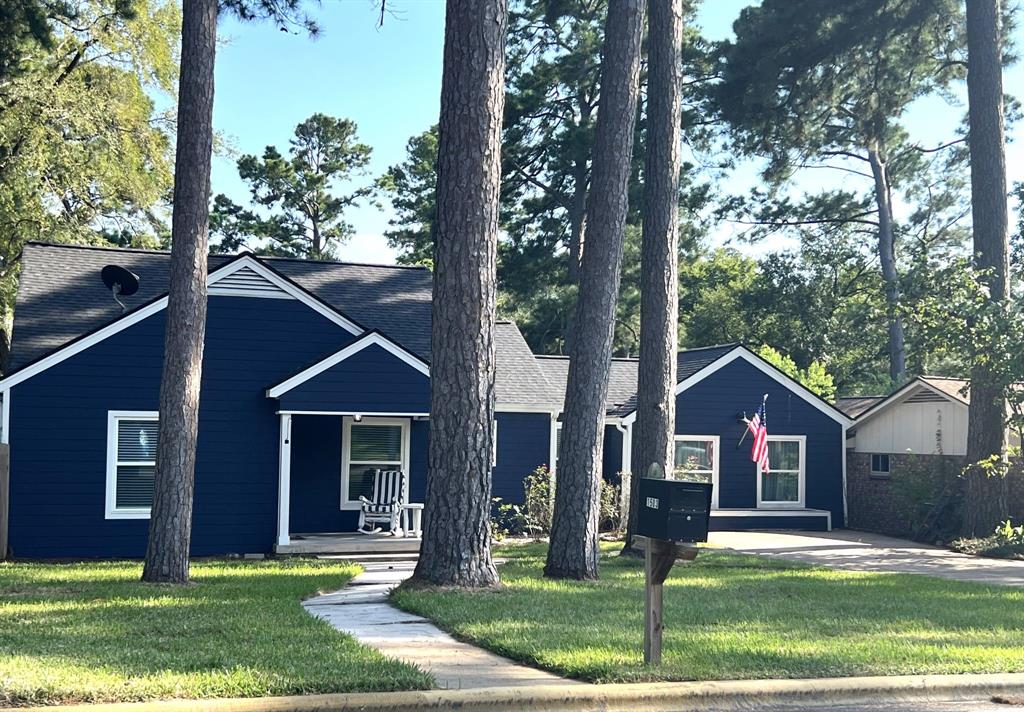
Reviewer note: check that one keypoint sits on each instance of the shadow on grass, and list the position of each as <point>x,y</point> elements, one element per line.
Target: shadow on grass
<point>93,632</point>
<point>738,616</point>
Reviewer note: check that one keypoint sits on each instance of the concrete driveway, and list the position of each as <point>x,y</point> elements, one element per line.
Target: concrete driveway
<point>861,551</point>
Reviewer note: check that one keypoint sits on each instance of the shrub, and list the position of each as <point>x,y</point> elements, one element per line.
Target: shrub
<point>539,499</point>
<point>611,509</point>
<point>929,492</point>
<point>507,519</point>
<point>1006,542</point>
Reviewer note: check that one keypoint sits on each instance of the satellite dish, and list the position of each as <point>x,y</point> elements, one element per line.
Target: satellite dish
<point>120,282</point>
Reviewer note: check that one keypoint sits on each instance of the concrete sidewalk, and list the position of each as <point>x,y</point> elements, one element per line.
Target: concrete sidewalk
<point>361,610</point>
<point>862,551</point>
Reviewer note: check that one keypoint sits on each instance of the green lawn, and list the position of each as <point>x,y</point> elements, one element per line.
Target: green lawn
<point>730,616</point>
<point>91,632</point>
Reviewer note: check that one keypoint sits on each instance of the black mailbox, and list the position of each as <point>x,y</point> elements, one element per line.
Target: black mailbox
<point>673,510</point>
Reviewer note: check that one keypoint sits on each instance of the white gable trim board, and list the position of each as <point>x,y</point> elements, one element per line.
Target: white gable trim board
<point>371,339</point>
<point>741,352</point>
<point>899,395</point>
<point>142,313</point>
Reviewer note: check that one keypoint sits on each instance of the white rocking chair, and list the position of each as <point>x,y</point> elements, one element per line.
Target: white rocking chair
<point>386,504</point>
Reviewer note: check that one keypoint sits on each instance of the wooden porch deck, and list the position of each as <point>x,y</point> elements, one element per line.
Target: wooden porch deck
<point>352,543</point>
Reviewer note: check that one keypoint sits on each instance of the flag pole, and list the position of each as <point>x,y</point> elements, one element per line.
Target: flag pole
<point>764,400</point>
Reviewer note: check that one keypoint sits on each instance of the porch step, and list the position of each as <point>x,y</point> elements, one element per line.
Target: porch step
<point>409,558</point>
<point>349,545</point>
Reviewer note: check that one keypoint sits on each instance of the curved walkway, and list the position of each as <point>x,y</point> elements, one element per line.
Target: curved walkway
<point>361,610</point>
<point>862,551</point>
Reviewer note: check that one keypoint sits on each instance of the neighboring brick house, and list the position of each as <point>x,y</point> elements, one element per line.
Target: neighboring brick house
<point>903,456</point>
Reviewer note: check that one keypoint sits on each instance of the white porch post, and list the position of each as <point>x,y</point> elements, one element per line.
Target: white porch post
<point>284,482</point>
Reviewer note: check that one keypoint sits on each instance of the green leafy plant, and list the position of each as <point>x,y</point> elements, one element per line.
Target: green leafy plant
<point>611,509</point>
<point>539,498</point>
<point>1006,542</point>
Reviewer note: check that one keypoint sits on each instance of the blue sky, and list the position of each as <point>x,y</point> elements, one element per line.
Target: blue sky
<point>388,81</point>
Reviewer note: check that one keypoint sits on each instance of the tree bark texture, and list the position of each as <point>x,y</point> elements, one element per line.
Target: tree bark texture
<point>986,426</point>
<point>653,432</point>
<point>456,527</point>
<point>170,524</point>
<point>573,549</point>
<point>887,260</point>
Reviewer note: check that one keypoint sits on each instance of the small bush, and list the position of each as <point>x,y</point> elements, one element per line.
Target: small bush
<point>539,498</point>
<point>929,492</point>
<point>611,508</point>
<point>1006,542</point>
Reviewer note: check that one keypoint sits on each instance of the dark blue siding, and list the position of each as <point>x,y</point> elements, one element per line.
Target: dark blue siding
<point>611,458</point>
<point>316,476</point>
<point>419,437</point>
<point>370,381</point>
<point>59,431</point>
<point>524,444</point>
<point>711,407</point>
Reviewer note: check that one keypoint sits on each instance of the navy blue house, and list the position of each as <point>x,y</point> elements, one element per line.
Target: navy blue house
<point>313,374</point>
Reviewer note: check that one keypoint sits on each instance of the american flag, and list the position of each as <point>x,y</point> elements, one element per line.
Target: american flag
<point>758,426</point>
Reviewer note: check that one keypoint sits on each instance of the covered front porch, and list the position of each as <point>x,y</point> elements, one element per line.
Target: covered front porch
<point>328,462</point>
<point>362,410</point>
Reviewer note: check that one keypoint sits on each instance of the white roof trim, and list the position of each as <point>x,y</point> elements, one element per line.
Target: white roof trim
<point>897,396</point>
<point>742,352</point>
<point>371,339</point>
<point>284,285</point>
<point>154,307</point>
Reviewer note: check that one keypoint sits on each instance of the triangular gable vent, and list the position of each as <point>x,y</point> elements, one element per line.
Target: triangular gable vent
<point>245,282</point>
<point>926,396</point>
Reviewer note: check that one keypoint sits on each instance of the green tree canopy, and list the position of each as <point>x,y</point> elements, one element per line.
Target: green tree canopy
<point>826,84</point>
<point>84,149</point>
<point>814,377</point>
<point>411,188</point>
<point>298,208</point>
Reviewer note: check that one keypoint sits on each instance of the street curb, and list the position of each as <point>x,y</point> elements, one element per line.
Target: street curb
<point>658,697</point>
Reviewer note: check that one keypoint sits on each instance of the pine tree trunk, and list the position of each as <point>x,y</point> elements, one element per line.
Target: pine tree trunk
<point>573,549</point>
<point>170,525</point>
<point>887,260</point>
<point>986,500</point>
<point>456,518</point>
<point>654,430</point>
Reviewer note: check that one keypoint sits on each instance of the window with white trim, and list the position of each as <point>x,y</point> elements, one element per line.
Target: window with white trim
<point>783,484</point>
<point>695,459</point>
<point>368,445</point>
<point>880,465</point>
<point>131,463</point>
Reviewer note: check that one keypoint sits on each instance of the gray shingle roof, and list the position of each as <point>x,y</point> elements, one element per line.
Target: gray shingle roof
<point>61,297</point>
<point>519,379</point>
<point>855,405</point>
<point>688,362</point>
<point>621,379</point>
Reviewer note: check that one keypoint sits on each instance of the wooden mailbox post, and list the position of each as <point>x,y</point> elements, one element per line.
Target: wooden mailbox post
<point>672,517</point>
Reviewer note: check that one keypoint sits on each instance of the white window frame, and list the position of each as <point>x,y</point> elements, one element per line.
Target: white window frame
<point>494,443</point>
<point>715,470</point>
<point>556,433</point>
<point>888,461</point>
<point>801,475</point>
<point>346,452</point>
<point>114,417</point>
